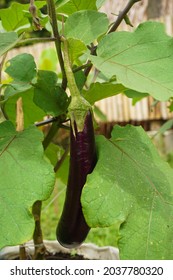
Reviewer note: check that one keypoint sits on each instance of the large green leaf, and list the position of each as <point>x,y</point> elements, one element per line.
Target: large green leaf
<point>7,41</point>
<point>69,7</point>
<point>86,26</point>
<point>141,60</point>
<point>25,178</point>
<point>14,18</point>
<point>48,95</point>
<point>133,187</point>
<point>99,91</point>
<point>32,113</point>
<point>22,69</point>
<point>135,95</point>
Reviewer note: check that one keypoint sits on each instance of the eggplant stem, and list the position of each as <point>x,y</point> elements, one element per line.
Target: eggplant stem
<point>40,249</point>
<point>69,72</point>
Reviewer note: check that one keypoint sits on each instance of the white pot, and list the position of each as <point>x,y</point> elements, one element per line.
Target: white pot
<point>87,250</point>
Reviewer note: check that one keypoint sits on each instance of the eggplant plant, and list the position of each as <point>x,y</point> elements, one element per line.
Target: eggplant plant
<point>119,181</point>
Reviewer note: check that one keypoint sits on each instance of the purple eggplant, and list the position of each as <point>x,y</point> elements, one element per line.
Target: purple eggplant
<point>72,228</point>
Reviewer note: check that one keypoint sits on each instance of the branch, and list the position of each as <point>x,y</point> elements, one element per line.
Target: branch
<point>122,15</point>
<point>82,67</point>
<point>53,18</point>
<point>1,67</point>
<point>60,162</point>
<point>45,122</point>
<point>52,131</point>
<point>35,40</point>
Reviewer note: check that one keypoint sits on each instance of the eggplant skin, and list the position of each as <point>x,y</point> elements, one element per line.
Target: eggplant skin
<point>72,228</point>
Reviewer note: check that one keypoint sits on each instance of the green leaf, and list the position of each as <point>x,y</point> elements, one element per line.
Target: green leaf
<point>25,178</point>
<point>86,26</point>
<point>32,113</point>
<point>166,126</point>
<point>133,188</point>
<point>76,49</point>
<point>99,91</point>
<point>69,7</point>
<point>8,41</point>
<point>22,68</point>
<point>99,114</point>
<point>48,95</point>
<point>80,79</point>
<point>135,95</point>
<point>14,18</point>
<point>141,60</point>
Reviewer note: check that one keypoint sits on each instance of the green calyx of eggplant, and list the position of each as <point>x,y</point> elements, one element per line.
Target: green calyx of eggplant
<point>77,110</point>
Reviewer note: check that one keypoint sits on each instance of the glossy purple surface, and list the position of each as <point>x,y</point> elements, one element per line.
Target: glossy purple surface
<point>72,228</point>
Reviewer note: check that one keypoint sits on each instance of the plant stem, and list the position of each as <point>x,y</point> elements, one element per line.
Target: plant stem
<point>52,131</point>
<point>1,67</point>
<point>22,252</point>
<point>45,122</point>
<point>59,163</point>
<point>69,72</point>
<point>122,15</point>
<point>35,40</point>
<point>78,106</point>
<point>82,67</point>
<point>40,249</point>
<point>52,15</point>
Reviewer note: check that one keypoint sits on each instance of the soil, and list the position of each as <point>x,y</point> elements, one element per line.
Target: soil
<point>60,256</point>
<point>64,256</point>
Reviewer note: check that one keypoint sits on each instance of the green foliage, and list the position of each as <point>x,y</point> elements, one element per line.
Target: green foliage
<point>48,95</point>
<point>139,59</point>
<point>8,41</point>
<point>86,26</point>
<point>22,69</point>
<point>14,18</point>
<point>76,49</point>
<point>135,95</point>
<point>132,188</point>
<point>69,7</point>
<point>9,107</point>
<point>25,177</point>
<point>98,91</point>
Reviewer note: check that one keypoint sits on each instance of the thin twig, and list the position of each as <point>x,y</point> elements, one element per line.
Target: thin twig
<point>52,132</point>
<point>92,52</point>
<point>35,40</point>
<point>59,163</point>
<point>1,67</point>
<point>81,67</point>
<point>122,15</point>
<point>45,122</point>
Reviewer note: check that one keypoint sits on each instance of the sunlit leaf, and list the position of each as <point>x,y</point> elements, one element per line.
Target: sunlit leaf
<point>25,178</point>
<point>133,187</point>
